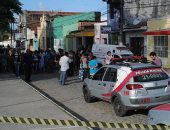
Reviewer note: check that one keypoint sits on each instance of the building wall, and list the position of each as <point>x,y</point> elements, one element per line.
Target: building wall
<point>41,33</point>
<point>99,37</point>
<point>62,26</point>
<point>136,34</point>
<point>139,10</point>
<point>32,18</point>
<point>158,24</point>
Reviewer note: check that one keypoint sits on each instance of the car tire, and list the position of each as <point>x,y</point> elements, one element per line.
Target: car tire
<point>87,95</point>
<point>119,108</point>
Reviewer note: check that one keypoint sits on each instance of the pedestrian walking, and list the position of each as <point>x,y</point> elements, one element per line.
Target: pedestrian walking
<point>17,62</point>
<point>10,60</point>
<point>28,61</point>
<point>4,60</point>
<point>84,63</point>
<point>77,61</point>
<point>71,64</point>
<point>64,63</point>
<point>35,61</point>
<point>41,62</point>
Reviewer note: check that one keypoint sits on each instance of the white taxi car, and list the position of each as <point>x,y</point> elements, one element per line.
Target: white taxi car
<point>129,86</point>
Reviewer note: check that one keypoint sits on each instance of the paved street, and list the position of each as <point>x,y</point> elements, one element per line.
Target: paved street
<point>18,99</point>
<point>71,96</point>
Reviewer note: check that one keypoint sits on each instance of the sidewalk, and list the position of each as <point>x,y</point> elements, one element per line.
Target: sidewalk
<point>18,99</point>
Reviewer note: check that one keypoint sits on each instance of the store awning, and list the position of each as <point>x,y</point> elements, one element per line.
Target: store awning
<point>83,34</point>
<point>157,32</point>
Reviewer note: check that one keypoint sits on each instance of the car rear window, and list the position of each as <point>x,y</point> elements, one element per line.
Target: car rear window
<point>151,77</point>
<point>126,55</point>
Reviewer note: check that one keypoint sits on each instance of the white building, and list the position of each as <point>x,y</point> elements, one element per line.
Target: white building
<point>100,37</point>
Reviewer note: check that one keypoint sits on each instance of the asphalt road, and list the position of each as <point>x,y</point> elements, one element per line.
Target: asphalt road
<point>72,97</point>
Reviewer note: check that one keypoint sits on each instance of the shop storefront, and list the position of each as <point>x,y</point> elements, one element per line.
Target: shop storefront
<point>158,39</point>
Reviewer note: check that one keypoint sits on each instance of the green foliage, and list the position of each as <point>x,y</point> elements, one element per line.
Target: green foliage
<point>7,10</point>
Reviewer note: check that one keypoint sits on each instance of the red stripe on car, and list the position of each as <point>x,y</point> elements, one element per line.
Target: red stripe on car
<point>120,86</point>
<point>132,74</point>
<point>165,107</point>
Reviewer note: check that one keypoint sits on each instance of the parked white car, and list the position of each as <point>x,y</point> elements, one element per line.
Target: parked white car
<point>129,86</point>
<point>117,51</point>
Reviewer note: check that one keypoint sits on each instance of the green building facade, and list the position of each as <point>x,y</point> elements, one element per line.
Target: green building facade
<point>62,26</point>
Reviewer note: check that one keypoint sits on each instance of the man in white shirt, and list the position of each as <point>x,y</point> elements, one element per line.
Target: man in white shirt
<point>64,63</point>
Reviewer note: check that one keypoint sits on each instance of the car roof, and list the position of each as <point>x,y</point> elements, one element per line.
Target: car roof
<point>142,65</point>
<point>133,66</point>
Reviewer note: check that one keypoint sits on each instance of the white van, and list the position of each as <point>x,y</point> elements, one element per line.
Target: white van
<point>117,51</point>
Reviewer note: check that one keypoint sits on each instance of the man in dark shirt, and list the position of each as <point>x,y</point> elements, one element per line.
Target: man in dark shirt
<point>17,62</point>
<point>28,61</point>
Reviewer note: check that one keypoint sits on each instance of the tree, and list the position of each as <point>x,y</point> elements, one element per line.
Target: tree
<point>7,10</point>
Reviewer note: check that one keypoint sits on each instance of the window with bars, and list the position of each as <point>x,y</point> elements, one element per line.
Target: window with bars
<point>161,46</point>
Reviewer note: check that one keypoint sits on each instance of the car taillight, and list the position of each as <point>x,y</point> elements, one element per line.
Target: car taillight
<point>133,86</point>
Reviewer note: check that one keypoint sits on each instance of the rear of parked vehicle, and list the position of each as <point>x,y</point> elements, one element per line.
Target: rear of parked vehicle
<point>147,88</point>
<point>130,87</point>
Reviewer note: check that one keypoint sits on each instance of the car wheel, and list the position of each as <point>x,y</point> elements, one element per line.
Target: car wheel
<point>87,96</point>
<point>119,108</point>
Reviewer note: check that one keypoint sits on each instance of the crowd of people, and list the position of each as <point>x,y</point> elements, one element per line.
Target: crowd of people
<point>14,60</point>
<point>18,62</point>
<point>82,62</point>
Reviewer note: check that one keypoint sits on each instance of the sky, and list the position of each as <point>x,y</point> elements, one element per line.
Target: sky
<point>65,5</point>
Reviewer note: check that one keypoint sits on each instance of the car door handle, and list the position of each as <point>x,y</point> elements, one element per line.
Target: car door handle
<point>111,85</point>
<point>104,84</point>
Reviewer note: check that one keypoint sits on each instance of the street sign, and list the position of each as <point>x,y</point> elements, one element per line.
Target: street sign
<point>105,29</point>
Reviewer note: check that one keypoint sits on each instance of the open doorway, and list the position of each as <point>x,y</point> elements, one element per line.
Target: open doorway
<point>137,45</point>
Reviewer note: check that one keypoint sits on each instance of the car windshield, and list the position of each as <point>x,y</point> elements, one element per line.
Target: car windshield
<point>151,77</point>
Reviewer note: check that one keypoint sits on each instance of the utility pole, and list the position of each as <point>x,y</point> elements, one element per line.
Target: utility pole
<point>11,34</point>
<point>108,22</point>
<point>121,21</point>
<point>119,5</point>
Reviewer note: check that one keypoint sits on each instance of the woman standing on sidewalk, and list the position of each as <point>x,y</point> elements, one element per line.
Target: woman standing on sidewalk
<point>84,63</point>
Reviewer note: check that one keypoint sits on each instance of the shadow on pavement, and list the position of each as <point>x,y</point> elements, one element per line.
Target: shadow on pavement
<point>44,76</point>
<point>7,76</point>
